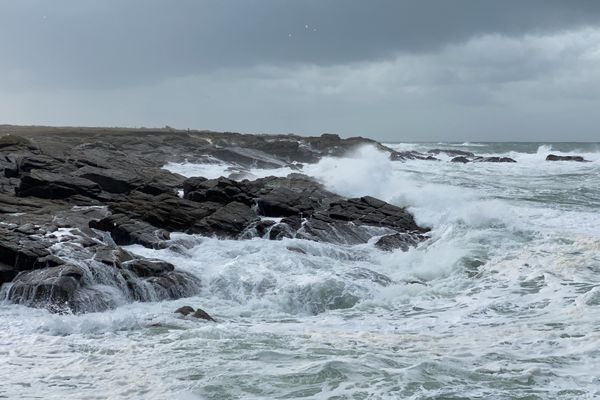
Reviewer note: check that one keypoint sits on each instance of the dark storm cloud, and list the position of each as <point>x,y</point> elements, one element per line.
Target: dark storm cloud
<point>390,69</point>
<point>115,43</point>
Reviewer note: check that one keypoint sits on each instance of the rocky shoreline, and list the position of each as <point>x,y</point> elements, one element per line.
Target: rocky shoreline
<point>71,197</point>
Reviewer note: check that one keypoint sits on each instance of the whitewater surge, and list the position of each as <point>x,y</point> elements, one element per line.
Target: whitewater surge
<point>502,302</point>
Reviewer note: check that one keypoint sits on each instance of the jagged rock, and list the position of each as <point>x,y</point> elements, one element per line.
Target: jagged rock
<point>185,310</point>
<point>464,159</point>
<point>201,314</point>
<point>410,155</point>
<point>553,157</point>
<point>112,256</point>
<point>166,211</point>
<point>125,231</point>
<point>145,268</point>
<point>49,185</point>
<point>460,159</point>
<point>54,286</point>
<point>368,210</point>
<point>111,180</point>
<point>494,159</point>
<point>401,241</point>
<point>93,181</point>
<point>452,152</point>
<point>13,141</point>
<point>29,162</point>
<point>21,252</point>
<point>227,221</point>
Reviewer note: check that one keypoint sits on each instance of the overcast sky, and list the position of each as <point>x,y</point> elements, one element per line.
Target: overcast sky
<point>388,69</point>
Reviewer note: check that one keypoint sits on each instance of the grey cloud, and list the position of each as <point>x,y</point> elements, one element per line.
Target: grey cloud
<point>86,44</point>
<point>390,69</point>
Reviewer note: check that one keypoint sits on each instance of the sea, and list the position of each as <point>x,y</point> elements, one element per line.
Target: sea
<point>502,302</point>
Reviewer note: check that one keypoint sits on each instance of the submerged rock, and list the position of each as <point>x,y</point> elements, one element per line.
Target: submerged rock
<point>452,152</point>
<point>465,159</point>
<point>410,155</point>
<point>52,287</point>
<point>398,241</point>
<point>185,310</point>
<point>553,157</point>
<point>201,314</point>
<point>494,159</point>
<point>460,159</point>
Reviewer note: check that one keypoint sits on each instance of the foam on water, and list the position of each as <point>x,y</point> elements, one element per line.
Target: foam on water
<point>502,302</point>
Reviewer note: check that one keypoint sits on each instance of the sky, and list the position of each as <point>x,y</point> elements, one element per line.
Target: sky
<point>393,70</point>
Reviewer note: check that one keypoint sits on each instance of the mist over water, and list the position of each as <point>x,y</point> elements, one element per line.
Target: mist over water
<point>502,302</point>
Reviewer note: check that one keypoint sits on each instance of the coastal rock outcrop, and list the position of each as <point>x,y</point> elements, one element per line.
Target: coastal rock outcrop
<point>70,199</point>
<point>554,157</point>
<point>468,159</point>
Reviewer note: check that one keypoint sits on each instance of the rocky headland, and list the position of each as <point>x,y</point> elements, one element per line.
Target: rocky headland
<point>71,197</point>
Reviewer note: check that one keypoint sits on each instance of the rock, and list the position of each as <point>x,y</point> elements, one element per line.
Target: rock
<point>38,161</point>
<point>21,252</point>
<point>112,256</point>
<point>464,159</point>
<point>227,221</point>
<point>201,314</point>
<point>52,287</point>
<point>296,250</point>
<point>452,152</point>
<point>460,159</point>
<point>410,155</point>
<point>13,141</point>
<point>368,210</point>
<point>145,268</point>
<point>49,185</point>
<point>70,197</point>
<point>125,231</point>
<point>283,202</point>
<point>494,159</point>
<point>401,241</point>
<point>111,180</point>
<point>185,310</point>
<point>553,157</point>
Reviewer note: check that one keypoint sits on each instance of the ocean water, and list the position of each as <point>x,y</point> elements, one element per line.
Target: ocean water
<point>503,302</point>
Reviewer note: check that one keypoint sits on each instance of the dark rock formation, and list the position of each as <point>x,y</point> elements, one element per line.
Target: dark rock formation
<point>185,310</point>
<point>201,314</point>
<point>460,159</point>
<point>70,197</point>
<point>50,185</point>
<point>553,157</point>
<point>125,231</point>
<point>398,241</point>
<point>464,159</point>
<point>54,286</point>
<point>410,155</point>
<point>452,152</point>
<point>494,159</point>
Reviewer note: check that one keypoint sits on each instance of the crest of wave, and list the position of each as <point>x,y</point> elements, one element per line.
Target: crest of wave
<point>365,171</point>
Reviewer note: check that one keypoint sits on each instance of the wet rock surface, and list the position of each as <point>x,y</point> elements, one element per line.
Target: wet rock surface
<point>553,157</point>
<point>469,159</point>
<point>69,198</point>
